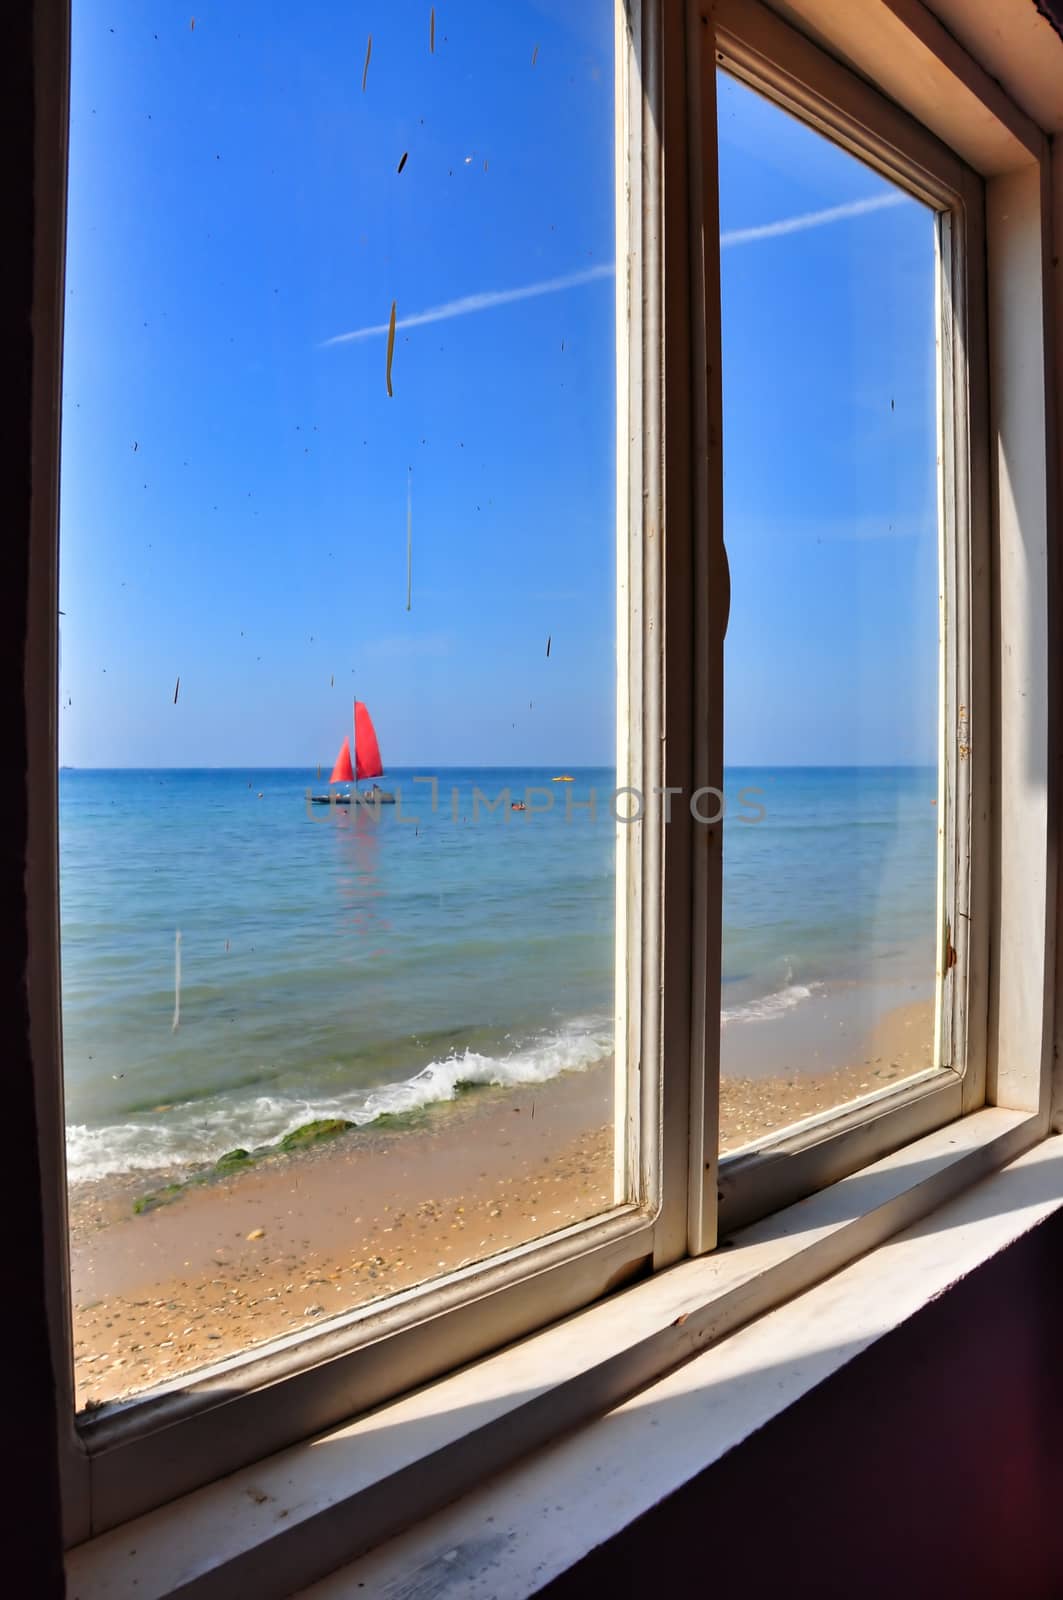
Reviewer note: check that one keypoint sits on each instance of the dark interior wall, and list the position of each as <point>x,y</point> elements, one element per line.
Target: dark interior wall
<point>1052,11</point>
<point>31,1562</point>
<point>930,1466</point>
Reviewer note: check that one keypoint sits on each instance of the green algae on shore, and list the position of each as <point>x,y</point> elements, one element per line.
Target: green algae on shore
<point>158,1197</point>
<point>313,1132</point>
<point>306,1137</point>
<point>239,1159</point>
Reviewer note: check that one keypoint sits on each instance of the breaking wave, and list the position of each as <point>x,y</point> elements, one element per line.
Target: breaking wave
<point>188,1135</point>
<point>770,1006</point>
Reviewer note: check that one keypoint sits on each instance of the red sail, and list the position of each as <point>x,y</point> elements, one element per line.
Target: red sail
<point>341,772</point>
<point>367,763</point>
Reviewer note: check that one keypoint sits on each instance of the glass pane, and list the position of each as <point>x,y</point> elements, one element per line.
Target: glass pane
<point>318,1053</point>
<point>831,657</point>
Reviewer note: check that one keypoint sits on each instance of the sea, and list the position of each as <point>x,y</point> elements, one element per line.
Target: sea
<point>237,962</point>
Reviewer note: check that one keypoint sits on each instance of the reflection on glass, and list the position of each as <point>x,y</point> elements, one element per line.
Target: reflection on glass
<point>315,1054</point>
<point>832,646</point>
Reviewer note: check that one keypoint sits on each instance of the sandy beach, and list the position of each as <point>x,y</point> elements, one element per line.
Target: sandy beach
<point>895,1047</point>
<point>231,1263</point>
<point>298,1238</point>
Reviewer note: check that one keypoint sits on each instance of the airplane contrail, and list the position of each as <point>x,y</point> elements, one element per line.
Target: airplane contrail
<point>485,301</point>
<point>811,219</point>
<point>488,299</point>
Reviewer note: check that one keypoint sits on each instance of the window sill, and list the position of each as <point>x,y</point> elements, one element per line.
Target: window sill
<point>305,1512</point>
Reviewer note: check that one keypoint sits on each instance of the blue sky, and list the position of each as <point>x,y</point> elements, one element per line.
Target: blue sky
<point>829,452</point>
<point>235,476</point>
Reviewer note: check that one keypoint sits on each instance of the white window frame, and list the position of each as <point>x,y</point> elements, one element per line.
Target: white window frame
<point>119,1463</point>
<point>211,1425</point>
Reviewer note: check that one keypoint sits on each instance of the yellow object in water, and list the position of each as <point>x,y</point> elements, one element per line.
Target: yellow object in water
<point>563,779</point>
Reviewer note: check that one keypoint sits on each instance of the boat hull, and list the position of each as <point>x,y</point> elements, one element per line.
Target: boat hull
<point>381,799</point>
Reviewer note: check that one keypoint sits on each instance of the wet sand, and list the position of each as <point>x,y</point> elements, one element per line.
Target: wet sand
<point>297,1239</point>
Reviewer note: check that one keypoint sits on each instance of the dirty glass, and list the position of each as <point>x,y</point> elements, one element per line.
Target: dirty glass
<point>338,667</point>
<point>832,649</point>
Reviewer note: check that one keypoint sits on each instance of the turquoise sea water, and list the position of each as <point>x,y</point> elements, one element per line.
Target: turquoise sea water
<point>333,963</point>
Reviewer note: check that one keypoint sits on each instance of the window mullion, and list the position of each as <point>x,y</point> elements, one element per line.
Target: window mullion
<point>711,604</point>
<point>664,537</point>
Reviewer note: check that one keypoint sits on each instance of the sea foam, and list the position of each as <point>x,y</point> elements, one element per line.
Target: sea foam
<point>189,1135</point>
<point>770,1006</point>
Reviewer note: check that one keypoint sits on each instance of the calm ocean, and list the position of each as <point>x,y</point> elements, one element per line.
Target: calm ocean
<point>336,965</point>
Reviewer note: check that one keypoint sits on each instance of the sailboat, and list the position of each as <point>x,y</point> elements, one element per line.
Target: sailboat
<point>366,764</point>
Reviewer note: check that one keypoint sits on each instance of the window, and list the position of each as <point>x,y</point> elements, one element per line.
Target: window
<point>339,476</point>
<point>854,997</point>
<point>831,719</point>
<point>594,938</point>
<point>355,1041</point>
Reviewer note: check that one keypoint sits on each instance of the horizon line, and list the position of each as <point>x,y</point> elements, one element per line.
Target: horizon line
<point>537,766</point>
